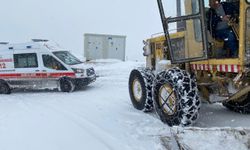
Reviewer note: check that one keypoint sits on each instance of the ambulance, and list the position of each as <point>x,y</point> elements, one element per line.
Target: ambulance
<point>41,64</point>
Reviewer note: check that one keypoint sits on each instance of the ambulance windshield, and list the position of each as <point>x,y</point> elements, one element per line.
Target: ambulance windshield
<point>67,57</point>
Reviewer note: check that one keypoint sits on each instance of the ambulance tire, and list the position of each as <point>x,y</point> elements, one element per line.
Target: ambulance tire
<point>4,88</point>
<point>66,85</point>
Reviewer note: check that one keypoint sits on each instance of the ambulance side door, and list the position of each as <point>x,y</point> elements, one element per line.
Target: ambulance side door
<point>26,68</point>
<point>52,70</point>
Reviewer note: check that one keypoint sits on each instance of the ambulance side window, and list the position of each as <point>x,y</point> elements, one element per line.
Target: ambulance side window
<point>28,60</point>
<point>50,62</point>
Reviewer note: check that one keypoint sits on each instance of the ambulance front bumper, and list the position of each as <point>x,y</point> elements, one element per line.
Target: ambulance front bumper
<point>81,82</point>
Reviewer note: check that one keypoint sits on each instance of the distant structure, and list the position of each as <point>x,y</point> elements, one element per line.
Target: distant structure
<point>102,46</point>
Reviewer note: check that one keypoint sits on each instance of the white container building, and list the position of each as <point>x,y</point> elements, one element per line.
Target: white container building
<point>103,46</point>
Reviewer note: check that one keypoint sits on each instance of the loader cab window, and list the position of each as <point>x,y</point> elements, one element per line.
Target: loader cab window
<point>247,36</point>
<point>184,28</point>
<point>51,63</point>
<point>222,19</point>
<point>28,60</point>
<point>180,7</point>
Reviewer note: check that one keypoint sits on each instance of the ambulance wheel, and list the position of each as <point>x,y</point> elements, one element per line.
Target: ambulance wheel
<point>4,88</point>
<point>66,85</point>
<point>140,89</point>
<point>176,98</point>
<point>242,106</point>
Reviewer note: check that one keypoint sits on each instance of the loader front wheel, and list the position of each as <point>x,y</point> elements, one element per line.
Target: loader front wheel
<point>140,89</point>
<point>176,97</point>
<point>241,107</point>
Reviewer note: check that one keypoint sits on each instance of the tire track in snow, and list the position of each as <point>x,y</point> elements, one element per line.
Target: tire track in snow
<point>19,103</point>
<point>86,126</point>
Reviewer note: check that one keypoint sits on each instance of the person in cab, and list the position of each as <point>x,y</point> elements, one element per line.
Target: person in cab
<point>219,16</point>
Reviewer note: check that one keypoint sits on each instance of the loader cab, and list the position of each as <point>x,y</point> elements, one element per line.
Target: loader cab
<point>190,18</point>
<point>186,17</point>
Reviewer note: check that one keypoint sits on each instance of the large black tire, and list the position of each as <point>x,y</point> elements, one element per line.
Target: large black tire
<point>242,107</point>
<point>140,89</point>
<point>66,85</point>
<point>4,88</point>
<point>176,98</point>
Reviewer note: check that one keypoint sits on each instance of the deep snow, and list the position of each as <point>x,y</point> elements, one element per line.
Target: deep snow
<point>100,116</point>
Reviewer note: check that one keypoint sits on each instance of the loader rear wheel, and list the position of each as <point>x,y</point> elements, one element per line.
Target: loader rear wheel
<point>241,107</point>
<point>140,89</point>
<point>66,85</point>
<point>4,88</point>
<point>176,97</point>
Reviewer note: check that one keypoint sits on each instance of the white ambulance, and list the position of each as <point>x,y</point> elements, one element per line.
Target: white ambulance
<point>41,65</point>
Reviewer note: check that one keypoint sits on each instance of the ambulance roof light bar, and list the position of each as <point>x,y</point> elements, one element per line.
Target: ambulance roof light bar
<point>39,40</point>
<point>4,43</point>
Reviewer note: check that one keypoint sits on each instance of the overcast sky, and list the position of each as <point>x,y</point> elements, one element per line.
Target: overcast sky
<point>65,21</point>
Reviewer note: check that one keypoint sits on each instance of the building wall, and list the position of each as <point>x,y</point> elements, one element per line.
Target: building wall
<point>100,46</point>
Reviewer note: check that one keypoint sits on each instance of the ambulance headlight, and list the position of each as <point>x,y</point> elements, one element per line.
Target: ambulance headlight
<point>77,70</point>
<point>90,71</point>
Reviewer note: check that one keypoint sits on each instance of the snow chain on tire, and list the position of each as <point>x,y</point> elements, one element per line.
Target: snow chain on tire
<point>145,77</point>
<point>184,88</point>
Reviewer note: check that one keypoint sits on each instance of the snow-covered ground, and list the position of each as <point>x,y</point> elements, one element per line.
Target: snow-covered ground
<point>100,116</point>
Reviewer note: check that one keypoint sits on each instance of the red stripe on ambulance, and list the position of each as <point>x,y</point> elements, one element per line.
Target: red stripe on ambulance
<point>37,75</point>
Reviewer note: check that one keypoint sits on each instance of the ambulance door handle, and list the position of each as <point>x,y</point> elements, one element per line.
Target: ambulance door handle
<point>37,70</point>
<point>44,71</point>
